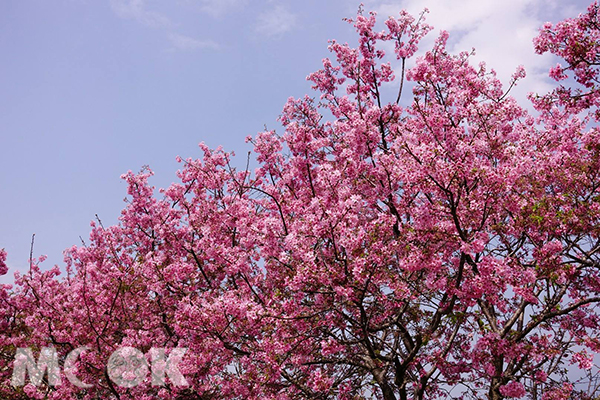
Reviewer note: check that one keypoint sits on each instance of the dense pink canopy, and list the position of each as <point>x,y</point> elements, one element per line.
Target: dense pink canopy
<point>414,233</point>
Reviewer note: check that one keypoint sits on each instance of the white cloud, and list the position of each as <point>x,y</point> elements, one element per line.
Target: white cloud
<point>275,21</point>
<point>218,8</point>
<point>136,10</point>
<point>500,31</point>
<point>186,43</point>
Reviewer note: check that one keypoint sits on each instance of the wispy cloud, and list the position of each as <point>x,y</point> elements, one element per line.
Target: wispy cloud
<point>136,10</point>
<point>218,8</point>
<point>186,43</point>
<point>500,31</point>
<point>275,21</point>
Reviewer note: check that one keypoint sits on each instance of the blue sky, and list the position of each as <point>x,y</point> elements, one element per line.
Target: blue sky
<point>90,89</point>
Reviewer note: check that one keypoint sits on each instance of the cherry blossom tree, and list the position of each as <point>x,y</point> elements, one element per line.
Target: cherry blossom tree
<point>413,233</point>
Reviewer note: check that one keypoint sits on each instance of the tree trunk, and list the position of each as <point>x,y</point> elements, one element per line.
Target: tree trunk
<point>386,389</point>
